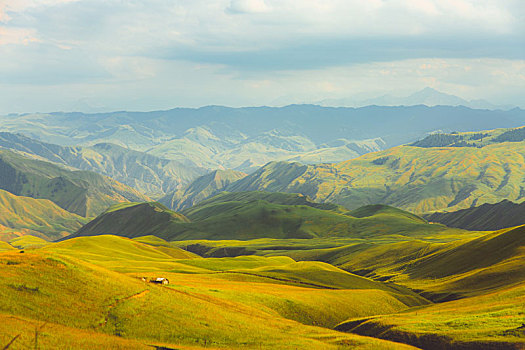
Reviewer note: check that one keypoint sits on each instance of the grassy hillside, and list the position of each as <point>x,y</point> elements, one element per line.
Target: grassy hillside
<point>122,254</point>
<point>202,188</point>
<point>40,217</point>
<point>80,192</point>
<point>483,276</point>
<point>262,277</point>
<point>439,271</point>
<point>487,216</point>
<point>439,266</point>
<point>280,198</point>
<point>274,301</point>
<point>255,215</point>
<point>492,321</point>
<point>417,179</point>
<point>133,220</point>
<point>28,242</point>
<point>192,312</point>
<point>4,246</point>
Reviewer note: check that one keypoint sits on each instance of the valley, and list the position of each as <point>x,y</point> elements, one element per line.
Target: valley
<point>262,175</point>
<point>415,246</point>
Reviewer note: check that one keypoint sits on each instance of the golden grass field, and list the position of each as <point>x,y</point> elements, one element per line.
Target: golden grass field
<point>63,291</point>
<point>91,288</point>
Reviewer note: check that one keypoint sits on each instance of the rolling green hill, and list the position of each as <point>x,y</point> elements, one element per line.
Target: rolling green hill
<point>144,172</point>
<point>4,246</point>
<point>134,220</point>
<point>270,197</point>
<point>439,271</point>
<point>492,321</point>
<point>202,188</point>
<point>40,217</point>
<point>221,302</point>
<point>28,242</point>
<point>251,215</point>
<point>81,192</point>
<point>478,283</point>
<point>196,310</point>
<point>414,178</point>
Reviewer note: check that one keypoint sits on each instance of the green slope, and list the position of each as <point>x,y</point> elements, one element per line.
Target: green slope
<point>131,256</point>
<point>440,271</point>
<point>196,311</point>
<point>202,188</point>
<point>487,216</point>
<point>492,321</point>
<point>417,179</point>
<point>80,192</point>
<point>28,242</point>
<point>134,220</point>
<point>40,217</point>
<point>4,246</point>
<point>206,208</point>
<point>254,215</point>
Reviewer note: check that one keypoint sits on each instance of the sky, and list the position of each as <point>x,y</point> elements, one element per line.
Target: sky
<point>101,55</point>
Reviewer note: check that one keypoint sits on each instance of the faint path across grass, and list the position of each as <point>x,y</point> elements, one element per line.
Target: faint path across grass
<point>118,301</point>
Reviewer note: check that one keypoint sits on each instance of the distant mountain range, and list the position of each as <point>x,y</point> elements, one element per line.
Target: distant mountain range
<point>241,139</point>
<point>440,172</point>
<point>427,96</point>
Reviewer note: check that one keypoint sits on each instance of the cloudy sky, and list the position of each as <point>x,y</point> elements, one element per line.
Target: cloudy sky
<point>156,54</point>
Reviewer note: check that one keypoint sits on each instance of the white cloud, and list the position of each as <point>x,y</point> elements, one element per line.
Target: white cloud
<point>248,6</point>
<point>253,51</point>
<point>148,84</point>
<point>17,36</point>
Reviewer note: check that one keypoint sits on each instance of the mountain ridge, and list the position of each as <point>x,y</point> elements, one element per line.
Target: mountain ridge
<point>20,216</point>
<point>81,192</point>
<point>252,215</point>
<point>142,171</point>
<point>243,139</point>
<point>414,178</point>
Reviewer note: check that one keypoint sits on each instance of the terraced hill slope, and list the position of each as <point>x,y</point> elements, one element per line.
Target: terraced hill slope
<point>251,215</point>
<point>40,217</point>
<point>81,192</point>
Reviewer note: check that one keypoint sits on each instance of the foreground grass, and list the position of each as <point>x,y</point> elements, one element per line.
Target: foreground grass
<point>28,334</point>
<point>45,286</point>
<point>93,284</point>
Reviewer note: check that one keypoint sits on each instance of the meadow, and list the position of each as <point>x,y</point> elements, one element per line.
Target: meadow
<point>201,308</point>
